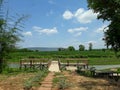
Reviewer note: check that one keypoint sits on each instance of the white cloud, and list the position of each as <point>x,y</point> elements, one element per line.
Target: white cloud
<point>77,31</point>
<point>101,29</point>
<point>78,12</point>
<point>86,16</point>
<point>45,31</point>
<point>27,33</point>
<point>73,30</point>
<point>67,15</point>
<point>81,15</point>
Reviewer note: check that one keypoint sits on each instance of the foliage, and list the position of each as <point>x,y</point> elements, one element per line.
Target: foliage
<point>23,50</point>
<point>81,47</point>
<point>27,85</point>
<point>109,10</point>
<point>61,81</point>
<point>63,84</point>
<point>86,72</point>
<point>34,81</point>
<point>112,36</point>
<point>90,46</point>
<point>71,48</point>
<point>62,49</point>
<point>9,33</point>
<point>118,70</point>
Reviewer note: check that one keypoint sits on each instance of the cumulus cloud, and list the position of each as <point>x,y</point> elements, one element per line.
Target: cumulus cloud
<point>81,15</point>
<point>46,31</point>
<point>101,29</point>
<point>77,31</point>
<point>27,33</point>
<point>67,15</point>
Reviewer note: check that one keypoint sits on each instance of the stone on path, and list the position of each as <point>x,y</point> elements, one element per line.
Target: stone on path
<point>54,67</point>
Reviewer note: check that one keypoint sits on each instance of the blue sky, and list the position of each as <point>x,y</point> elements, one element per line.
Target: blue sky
<point>58,23</point>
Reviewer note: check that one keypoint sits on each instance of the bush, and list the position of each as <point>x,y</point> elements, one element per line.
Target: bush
<point>28,85</point>
<point>35,80</point>
<point>63,84</point>
<point>61,81</point>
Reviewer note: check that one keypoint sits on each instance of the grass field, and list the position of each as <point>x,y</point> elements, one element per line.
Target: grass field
<point>94,57</point>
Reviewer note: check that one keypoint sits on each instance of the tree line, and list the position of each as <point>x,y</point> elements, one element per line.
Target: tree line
<point>81,48</point>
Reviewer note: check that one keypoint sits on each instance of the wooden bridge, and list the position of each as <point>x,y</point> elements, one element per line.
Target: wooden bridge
<point>40,63</point>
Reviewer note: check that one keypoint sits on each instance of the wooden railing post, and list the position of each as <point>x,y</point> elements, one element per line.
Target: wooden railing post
<point>20,64</point>
<point>30,63</point>
<point>59,63</point>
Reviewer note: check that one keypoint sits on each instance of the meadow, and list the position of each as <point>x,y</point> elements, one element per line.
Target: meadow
<point>95,57</point>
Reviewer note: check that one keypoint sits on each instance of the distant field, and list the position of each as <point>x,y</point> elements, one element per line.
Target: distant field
<point>94,57</point>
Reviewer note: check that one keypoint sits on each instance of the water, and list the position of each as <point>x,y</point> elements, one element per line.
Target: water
<point>98,67</point>
<point>14,65</point>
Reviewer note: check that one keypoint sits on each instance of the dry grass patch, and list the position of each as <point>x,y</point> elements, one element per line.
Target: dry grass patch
<point>14,82</point>
<point>88,83</point>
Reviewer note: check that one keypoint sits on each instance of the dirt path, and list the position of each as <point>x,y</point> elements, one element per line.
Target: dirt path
<point>47,83</point>
<point>54,67</point>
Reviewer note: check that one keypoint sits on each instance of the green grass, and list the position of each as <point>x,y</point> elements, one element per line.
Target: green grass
<point>94,57</point>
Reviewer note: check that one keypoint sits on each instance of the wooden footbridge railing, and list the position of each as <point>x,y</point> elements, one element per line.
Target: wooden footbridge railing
<point>74,62</point>
<point>34,63</point>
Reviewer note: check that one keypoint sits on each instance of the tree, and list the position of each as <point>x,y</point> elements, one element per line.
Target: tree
<point>109,10</point>
<point>71,48</point>
<point>81,47</point>
<point>90,46</point>
<point>61,49</point>
<point>9,34</point>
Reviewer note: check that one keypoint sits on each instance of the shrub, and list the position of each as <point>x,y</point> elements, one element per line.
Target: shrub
<point>61,81</point>
<point>63,84</point>
<point>35,80</point>
<point>28,85</point>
